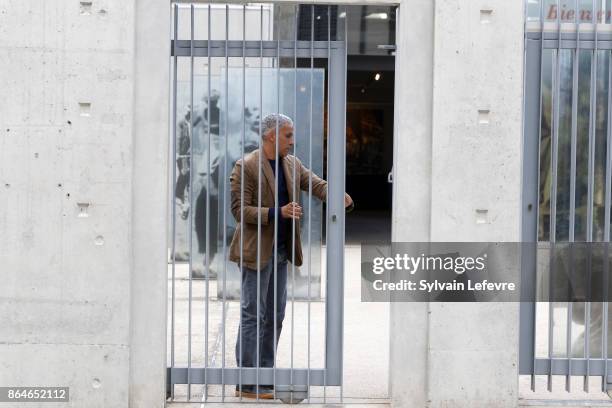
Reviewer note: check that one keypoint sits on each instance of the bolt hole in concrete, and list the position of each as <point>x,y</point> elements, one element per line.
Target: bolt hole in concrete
<point>85,7</point>
<point>483,116</point>
<point>485,16</point>
<point>482,216</point>
<point>83,210</point>
<point>85,108</point>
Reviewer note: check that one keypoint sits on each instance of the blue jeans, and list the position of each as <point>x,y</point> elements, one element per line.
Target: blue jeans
<point>246,356</point>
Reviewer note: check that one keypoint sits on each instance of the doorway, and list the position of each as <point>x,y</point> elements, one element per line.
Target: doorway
<point>369,127</point>
<point>233,64</point>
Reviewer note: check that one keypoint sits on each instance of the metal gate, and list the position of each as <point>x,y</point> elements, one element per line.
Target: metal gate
<point>566,184</point>
<point>233,64</point>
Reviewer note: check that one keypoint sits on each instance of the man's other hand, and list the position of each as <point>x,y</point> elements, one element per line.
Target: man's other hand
<point>348,201</point>
<point>291,210</point>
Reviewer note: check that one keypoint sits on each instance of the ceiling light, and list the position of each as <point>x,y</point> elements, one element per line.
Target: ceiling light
<point>377,16</point>
<point>377,76</point>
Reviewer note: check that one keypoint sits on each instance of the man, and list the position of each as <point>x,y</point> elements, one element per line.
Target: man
<point>257,226</point>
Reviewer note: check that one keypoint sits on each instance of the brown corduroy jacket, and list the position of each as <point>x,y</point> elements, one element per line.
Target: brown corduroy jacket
<point>248,228</point>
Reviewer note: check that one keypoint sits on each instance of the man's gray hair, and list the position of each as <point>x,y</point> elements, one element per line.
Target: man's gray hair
<point>268,123</point>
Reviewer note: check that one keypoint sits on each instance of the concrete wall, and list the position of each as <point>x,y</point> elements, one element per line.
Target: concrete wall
<point>461,133</point>
<point>82,173</point>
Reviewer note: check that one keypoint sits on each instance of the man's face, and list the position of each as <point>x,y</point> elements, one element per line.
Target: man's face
<point>285,141</point>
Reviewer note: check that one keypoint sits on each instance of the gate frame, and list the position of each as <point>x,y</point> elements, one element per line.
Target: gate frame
<point>538,38</point>
<point>331,374</point>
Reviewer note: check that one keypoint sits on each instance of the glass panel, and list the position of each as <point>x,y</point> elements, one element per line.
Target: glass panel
<point>582,148</point>
<point>559,329</point>
<point>369,27</point>
<point>569,11</point>
<point>252,116</point>
<point>603,63</point>
<point>565,10</point>
<point>322,24</point>
<point>545,150</point>
<point>532,10</point>
<point>566,59</point>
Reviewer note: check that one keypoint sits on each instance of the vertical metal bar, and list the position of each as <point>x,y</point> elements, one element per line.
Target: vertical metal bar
<point>537,204</point>
<point>525,18</point>
<point>529,233</point>
<point>224,184</point>
<point>172,197</point>
<point>242,183</point>
<point>310,188</point>
<point>342,233</point>
<point>608,199</point>
<point>276,160</point>
<point>556,90</point>
<point>327,241</point>
<point>207,249</point>
<point>591,163</point>
<point>190,223</point>
<point>572,217</point>
<point>335,221</point>
<point>257,346</point>
<point>295,193</point>
<point>259,171</point>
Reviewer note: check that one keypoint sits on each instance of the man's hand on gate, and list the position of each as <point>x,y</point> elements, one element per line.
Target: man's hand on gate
<point>348,201</point>
<point>291,210</point>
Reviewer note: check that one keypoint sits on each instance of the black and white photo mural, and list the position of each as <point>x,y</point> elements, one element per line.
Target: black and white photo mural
<point>232,129</point>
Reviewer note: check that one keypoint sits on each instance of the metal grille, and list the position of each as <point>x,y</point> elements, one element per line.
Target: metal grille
<point>566,183</point>
<point>233,65</point>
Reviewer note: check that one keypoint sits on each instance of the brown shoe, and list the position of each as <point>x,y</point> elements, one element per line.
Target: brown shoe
<point>248,391</point>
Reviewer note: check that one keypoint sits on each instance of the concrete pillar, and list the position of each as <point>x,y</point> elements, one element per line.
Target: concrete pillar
<point>150,196</point>
<point>451,354</point>
<point>83,198</point>
<point>411,192</point>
